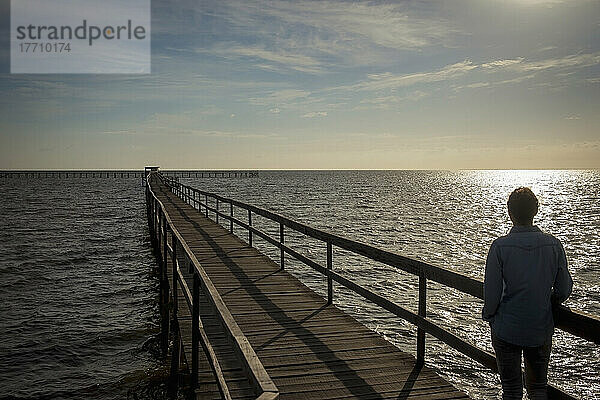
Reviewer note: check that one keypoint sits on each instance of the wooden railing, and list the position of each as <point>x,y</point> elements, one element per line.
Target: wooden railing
<point>160,224</point>
<point>211,174</point>
<point>576,323</point>
<point>73,174</point>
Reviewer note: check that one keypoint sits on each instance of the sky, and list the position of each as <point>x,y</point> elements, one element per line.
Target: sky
<point>461,84</point>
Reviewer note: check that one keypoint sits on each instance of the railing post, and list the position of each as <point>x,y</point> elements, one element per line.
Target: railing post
<point>159,234</point>
<point>164,288</point>
<point>281,240</point>
<point>151,218</point>
<point>175,274</point>
<point>157,222</point>
<point>329,267</point>
<point>250,230</point>
<point>422,313</point>
<point>217,212</point>
<point>154,211</point>
<point>175,356</point>
<point>165,248</point>
<point>231,216</point>
<point>206,204</point>
<point>148,209</point>
<point>195,329</point>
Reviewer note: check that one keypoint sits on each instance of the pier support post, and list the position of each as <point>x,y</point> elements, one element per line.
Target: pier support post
<point>231,216</point>
<point>165,249</point>
<point>250,230</point>
<point>195,329</point>
<point>175,274</point>
<point>217,212</point>
<point>152,223</point>
<point>154,220</point>
<point>148,207</point>
<point>281,240</point>
<point>150,216</point>
<point>164,288</point>
<point>329,267</point>
<point>422,313</point>
<point>176,349</point>
<point>159,235</point>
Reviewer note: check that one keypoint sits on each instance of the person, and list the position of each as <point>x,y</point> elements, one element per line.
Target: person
<point>525,275</point>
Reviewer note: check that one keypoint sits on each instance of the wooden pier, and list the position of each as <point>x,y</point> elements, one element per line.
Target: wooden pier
<point>128,174</point>
<point>242,327</point>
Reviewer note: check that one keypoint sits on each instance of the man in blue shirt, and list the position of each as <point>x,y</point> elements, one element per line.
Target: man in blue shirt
<point>525,274</point>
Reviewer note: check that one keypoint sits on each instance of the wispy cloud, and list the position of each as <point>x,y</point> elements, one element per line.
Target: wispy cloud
<point>184,123</point>
<point>281,98</point>
<point>174,130</point>
<point>314,114</point>
<point>387,25</point>
<point>389,81</point>
<point>521,64</point>
<point>491,84</point>
<point>387,102</point>
<point>275,59</point>
<point>502,63</point>
<point>317,36</point>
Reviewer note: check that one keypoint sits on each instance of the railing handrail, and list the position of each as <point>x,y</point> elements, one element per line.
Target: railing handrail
<point>577,323</point>
<point>208,349</point>
<point>574,322</point>
<point>259,375</point>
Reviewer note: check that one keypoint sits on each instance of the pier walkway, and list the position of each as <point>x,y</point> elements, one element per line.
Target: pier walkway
<point>309,349</point>
<point>243,327</point>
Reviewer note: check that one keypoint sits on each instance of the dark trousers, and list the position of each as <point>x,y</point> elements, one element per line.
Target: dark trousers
<point>508,358</point>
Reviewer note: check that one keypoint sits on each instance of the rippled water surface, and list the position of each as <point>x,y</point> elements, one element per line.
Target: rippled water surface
<point>448,219</point>
<point>78,311</point>
<point>78,293</point>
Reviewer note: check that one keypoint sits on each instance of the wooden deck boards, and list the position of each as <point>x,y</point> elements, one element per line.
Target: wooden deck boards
<point>310,349</point>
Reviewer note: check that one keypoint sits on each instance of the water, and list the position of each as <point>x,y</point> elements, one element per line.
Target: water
<point>448,219</point>
<point>79,310</point>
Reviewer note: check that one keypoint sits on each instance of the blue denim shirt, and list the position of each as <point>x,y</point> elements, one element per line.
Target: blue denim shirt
<point>525,272</point>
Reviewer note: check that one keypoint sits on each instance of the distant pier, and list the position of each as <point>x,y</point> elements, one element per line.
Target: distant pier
<point>129,174</point>
<point>242,327</point>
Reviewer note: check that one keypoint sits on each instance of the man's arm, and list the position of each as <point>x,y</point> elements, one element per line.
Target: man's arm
<point>563,283</point>
<point>492,284</point>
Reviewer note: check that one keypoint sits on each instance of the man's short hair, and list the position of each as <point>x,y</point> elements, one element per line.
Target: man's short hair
<point>523,205</point>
